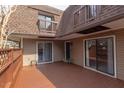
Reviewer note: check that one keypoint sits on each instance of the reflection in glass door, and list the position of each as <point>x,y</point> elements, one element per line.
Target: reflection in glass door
<point>44,52</point>
<point>100,54</point>
<point>91,53</point>
<point>40,52</point>
<point>105,55</point>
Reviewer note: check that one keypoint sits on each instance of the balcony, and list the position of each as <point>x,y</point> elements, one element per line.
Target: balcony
<point>48,27</point>
<point>48,75</point>
<point>43,28</point>
<point>85,18</point>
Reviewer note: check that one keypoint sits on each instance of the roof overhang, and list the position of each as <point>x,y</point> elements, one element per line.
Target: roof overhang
<point>114,25</point>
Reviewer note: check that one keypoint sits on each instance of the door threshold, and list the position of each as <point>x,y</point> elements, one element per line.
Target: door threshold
<point>44,63</point>
<point>113,76</point>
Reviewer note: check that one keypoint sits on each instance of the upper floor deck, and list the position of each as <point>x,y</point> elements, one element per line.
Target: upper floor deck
<point>94,15</point>
<point>34,20</point>
<point>82,18</point>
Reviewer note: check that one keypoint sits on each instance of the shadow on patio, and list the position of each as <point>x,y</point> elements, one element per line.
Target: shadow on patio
<point>62,75</point>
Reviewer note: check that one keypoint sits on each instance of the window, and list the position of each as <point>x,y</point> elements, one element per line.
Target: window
<point>92,11</point>
<point>13,44</point>
<point>45,22</point>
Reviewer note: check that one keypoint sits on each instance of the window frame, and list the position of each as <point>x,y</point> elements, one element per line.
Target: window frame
<point>92,11</point>
<point>45,21</point>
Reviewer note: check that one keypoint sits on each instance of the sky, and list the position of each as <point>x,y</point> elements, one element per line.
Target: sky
<point>61,2</point>
<point>61,7</point>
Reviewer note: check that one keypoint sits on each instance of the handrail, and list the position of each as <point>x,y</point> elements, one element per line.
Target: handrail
<point>10,64</point>
<point>7,56</point>
<point>52,27</point>
<point>48,21</point>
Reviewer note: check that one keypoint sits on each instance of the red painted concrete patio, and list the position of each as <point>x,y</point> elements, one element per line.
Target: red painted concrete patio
<point>62,75</point>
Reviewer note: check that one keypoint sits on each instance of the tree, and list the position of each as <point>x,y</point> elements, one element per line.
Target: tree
<point>5,31</point>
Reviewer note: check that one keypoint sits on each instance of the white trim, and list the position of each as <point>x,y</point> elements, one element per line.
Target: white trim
<point>44,62</point>
<point>114,47</point>
<point>84,53</point>
<point>52,51</point>
<point>115,60</point>
<point>37,51</point>
<point>100,37</point>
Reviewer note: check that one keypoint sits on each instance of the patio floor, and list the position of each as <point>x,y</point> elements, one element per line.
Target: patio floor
<point>62,75</point>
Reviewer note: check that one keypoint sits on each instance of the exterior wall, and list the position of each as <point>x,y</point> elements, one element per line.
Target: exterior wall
<point>25,19</point>
<point>47,8</point>
<point>29,51</point>
<point>65,26</point>
<point>120,54</point>
<point>104,14</point>
<point>58,50</point>
<point>78,52</point>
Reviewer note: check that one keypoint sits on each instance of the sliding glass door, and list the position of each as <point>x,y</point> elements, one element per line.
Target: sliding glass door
<point>100,54</point>
<point>44,52</point>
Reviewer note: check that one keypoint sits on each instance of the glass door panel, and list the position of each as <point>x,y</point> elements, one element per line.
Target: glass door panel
<point>91,53</point>
<point>48,52</point>
<point>40,52</point>
<point>44,52</point>
<point>105,58</point>
<point>102,57</point>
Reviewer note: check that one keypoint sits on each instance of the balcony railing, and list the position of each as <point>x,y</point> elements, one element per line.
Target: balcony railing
<point>10,63</point>
<point>102,14</point>
<point>47,26</point>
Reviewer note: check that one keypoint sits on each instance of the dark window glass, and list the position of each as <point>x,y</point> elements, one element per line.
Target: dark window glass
<point>92,9</point>
<point>45,22</point>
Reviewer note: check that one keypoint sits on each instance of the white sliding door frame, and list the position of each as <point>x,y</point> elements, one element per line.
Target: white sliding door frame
<point>114,51</point>
<point>43,56</point>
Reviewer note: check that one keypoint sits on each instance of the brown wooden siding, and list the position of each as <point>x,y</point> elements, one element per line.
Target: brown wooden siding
<point>104,14</point>
<point>75,18</point>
